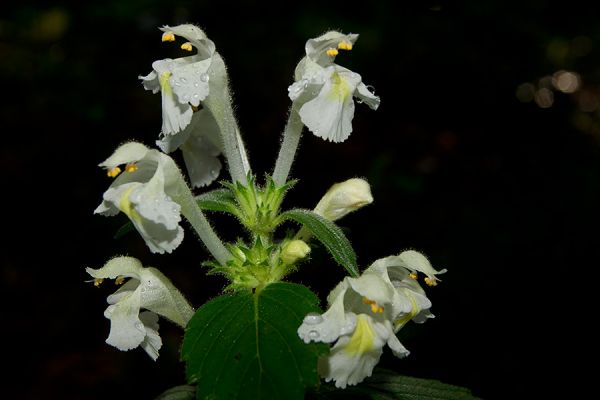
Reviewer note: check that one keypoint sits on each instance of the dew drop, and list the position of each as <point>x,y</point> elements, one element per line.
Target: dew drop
<point>140,326</point>
<point>313,334</point>
<point>313,319</point>
<point>196,95</point>
<point>177,84</point>
<point>196,84</point>
<point>204,77</point>
<point>182,80</point>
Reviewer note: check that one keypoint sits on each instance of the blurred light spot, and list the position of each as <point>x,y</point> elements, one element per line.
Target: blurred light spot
<point>581,46</point>
<point>544,98</point>
<point>566,82</point>
<point>557,50</point>
<point>545,82</point>
<point>525,92</point>
<point>588,101</point>
<point>50,26</point>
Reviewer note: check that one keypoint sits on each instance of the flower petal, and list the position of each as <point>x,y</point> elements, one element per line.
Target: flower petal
<point>366,96</point>
<point>126,329</point>
<point>152,342</point>
<point>316,49</point>
<point>190,81</point>
<point>130,152</point>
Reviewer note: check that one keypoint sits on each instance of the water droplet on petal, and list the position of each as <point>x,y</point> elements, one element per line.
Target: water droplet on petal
<point>182,80</point>
<point>177,84</point>
<point>196,84</point>
<point>313,334</point>
<point>140,327</point>
<point>313,319</point>
<point>204,77</point>
<point>196,95</point>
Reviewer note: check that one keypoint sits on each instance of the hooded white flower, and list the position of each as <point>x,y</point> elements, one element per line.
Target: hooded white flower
<point>183,82</point>
<point>364,314</point>
<point>145,192</point>
<point>201,146</point>
<point>147,289</point>
<point>326,90</point>
<point>343,198</point>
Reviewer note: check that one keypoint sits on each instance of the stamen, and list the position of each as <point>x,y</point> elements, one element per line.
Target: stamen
<point>375,308</point>
<point>187,46</point>
<point>345,45</point>
<point>414,275</point>
<point>168,37</point>
<point>332,52</point>
<point>98,282</point>
<point>430,282</point>
<point>131,168</point>
<point>113,172</point>
<point>120,280</point>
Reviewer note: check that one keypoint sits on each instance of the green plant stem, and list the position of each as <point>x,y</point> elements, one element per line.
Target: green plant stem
<point>289,145</point>
<point>195,216</point>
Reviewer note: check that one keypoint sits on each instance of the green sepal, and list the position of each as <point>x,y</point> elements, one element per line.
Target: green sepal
<point>220,200</point>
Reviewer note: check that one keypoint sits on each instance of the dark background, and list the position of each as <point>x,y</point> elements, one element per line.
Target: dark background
<point>497,184</point>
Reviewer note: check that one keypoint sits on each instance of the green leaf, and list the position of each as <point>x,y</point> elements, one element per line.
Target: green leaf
<point>221,200</point>
<point>124,230</point>
<point>246,345</point>
<point>327,233</point>
<point>183,392</point>
<point>388,385</point>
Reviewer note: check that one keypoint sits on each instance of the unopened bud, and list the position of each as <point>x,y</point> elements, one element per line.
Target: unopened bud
<point>343,198</point>
<point>294,251</point>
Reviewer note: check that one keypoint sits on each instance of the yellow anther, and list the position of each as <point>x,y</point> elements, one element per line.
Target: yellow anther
<point>113,172</point>
<point>187,46</point>
<point>430,282</point>
<point>414,275</point>
<point>131,168</point>
<point>120,280</point>
<point>98,282</point>
<point>168,37</point>
<point>376,308</point>
<point>345,46</point>
<point>332,52</point>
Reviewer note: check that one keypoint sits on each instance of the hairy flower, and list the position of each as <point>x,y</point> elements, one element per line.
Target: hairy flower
<point>326,90</point>
<point>145,192</point>
<point>147,289</point>
<point>343,198</point>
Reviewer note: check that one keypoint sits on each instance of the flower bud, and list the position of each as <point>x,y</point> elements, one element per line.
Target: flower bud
<point>294,250</point>
<point>343,198</point>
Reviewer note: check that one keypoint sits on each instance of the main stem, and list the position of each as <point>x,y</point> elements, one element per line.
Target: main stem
<point>196,217</point>
<point>287,152</point>
<point>219,103</point>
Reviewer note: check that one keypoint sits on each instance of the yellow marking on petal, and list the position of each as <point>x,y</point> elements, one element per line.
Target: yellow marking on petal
<point>168,37</point>
<point>414,275</point>
<point>345,45</point>
<point>120,280</point>
<point>187,46</point>
<point>340,90</point>
<point>431,281</point>
<point>131,167</point>
<point>165,86</point>
<point>98,282</point>
<point>332,52</point>
<point>375,308</point>
<point>113,172</point>
<point>362,340</point>
<point>400,322</point>
<point>127,208</point>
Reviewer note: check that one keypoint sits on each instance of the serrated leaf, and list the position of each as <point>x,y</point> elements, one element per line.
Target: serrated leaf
<point>388,385</point>
<point>221,200</point>
<point>327,233</point>
<point>246,345</point>
<point>183,392</point>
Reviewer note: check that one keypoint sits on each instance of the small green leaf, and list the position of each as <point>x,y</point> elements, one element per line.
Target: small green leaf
<point>246,345</point>
<point>124,230</point>
<point>183,392</point>
<point>327,233</point>
<point>388,385</point>
<point>221,200</point>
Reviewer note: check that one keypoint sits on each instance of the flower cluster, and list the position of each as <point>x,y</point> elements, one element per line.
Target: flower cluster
<point>365,310</point>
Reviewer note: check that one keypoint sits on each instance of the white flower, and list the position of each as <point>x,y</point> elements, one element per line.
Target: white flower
<point>147,289</point>
<point>326,90</point>
<point>145,192</point>
<point>343,198</point>
<point>201,146</point>
<point>294,250</point>
<point>365,313</point>
<point>183,82</point>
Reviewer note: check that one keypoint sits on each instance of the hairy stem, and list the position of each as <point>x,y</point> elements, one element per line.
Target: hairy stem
<point>287,152</point>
